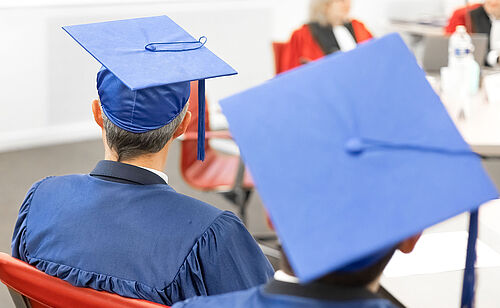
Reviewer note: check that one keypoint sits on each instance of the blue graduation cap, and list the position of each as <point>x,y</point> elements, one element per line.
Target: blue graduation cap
<point>148,64</point>
<point>354,153</point>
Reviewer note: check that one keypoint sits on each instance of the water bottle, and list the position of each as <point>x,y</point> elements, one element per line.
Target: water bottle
<point>463,71</point>
<point>460,46</point>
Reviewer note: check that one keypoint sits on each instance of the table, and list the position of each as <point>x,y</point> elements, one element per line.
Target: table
<point>416,28</point>
<point>482,128</point>
<point>482,131</point>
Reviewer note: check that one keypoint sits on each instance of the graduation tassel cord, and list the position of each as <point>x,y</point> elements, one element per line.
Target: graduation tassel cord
<point>489,157</point>
<point>357,146</point>
<point>201,120</point>
<point>469,283</point>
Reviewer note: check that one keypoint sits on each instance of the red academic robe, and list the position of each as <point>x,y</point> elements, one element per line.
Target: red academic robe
<point>303,47</point>
<point>459,18</point>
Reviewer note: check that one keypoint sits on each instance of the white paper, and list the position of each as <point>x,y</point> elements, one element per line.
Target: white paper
<point>438,253</point>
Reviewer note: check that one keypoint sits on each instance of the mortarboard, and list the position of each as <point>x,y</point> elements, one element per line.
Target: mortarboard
<point>354,153</point>
<point>148,64</point>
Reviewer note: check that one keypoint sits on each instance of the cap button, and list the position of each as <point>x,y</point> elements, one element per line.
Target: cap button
<point>151,47</point>
<point>354,146</point>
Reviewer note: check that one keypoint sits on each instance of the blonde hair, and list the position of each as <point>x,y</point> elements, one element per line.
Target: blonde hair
<point>317,10</point>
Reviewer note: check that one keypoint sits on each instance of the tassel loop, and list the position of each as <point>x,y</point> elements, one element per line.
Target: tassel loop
<point>181,46</point>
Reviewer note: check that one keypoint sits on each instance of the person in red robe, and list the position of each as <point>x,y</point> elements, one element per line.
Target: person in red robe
<point>330,29</point>
<point>480,18</point>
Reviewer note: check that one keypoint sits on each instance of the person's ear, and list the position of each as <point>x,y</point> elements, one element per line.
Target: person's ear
<point>96,110</point>
<point>183,126</point>
<point>408,245</point>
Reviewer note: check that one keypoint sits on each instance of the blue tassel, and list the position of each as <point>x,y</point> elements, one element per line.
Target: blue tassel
<point>201,120</point>
<point>469,284</point>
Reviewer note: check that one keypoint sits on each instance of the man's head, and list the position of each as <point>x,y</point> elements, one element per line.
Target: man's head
<point>366,276</point>
<point>492,7</point>
<point>125,146</point>
<point>333,12</point>
<point>139,122</point>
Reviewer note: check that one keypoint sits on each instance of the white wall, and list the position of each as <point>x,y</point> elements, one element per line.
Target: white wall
<point>47,81</point>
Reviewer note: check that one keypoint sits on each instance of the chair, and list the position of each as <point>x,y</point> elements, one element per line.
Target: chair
<point>459,18</point>
<point>278,48</point>
<point>220,172</point>
<point>31,288</point>
<point>223,173</point>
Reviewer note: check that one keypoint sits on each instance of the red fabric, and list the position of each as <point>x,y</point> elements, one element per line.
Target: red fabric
<point>458,18</point>
<point>45,291</point>
<point>218,171</point>
<point>360,31</point>
<point>302,47</point>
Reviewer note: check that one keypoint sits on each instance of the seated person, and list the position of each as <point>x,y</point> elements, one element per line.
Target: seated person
<point>122,228</point>
<point>330,29</point>
<point>345,189</point>
<point>481,18</point>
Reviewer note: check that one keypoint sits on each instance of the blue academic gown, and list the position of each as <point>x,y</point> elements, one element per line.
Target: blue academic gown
<point>122,229</point>
<point>278,294</point>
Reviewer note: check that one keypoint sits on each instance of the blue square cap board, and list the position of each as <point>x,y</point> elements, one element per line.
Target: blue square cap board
<point>354,153</point>
<point>148,64</point>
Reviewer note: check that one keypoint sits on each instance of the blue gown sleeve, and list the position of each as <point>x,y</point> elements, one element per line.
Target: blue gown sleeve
<point>226,258</point>
<point>18,243</point>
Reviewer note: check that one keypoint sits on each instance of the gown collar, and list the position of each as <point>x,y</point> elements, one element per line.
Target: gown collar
<point>318,291</point>
<point>124,173</point>
<point>280,275</point>
<point>158,173</point>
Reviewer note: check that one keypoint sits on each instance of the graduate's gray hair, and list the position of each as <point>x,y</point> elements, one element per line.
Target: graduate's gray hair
<point>128,145</point>
<point>317,11</point>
